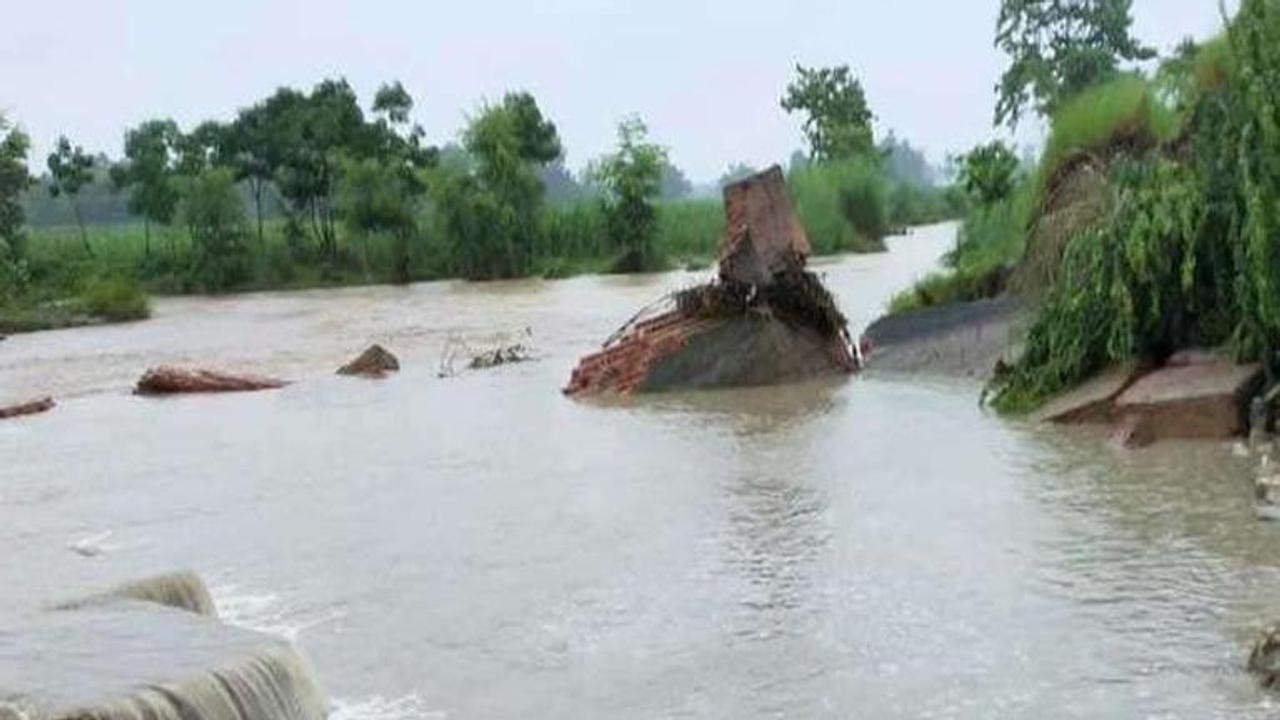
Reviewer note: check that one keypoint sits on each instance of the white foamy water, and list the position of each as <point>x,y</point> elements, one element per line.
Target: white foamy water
<point>267,613</point>
<point>408,707</point>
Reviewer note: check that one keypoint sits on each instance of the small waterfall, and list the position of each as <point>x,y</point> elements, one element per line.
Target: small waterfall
<point>273,684</point>
<point>159,653</point>
<point>181,590</point>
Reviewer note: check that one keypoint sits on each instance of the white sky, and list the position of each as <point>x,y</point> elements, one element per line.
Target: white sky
<point>705,74</point>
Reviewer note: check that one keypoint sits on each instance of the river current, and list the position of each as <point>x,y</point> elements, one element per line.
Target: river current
<point>479,546</point>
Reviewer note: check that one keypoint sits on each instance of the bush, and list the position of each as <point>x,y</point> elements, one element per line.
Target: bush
<point>842,205</point>
<point>1123,113</point>
<point>690,230</point>
<point>989,245</point>
<point>214,213</point>
<point>115,299</point>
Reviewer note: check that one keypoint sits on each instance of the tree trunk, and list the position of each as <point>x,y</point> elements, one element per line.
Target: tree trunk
<point>146,236</point>
<point>84,235</point>
<point>257,207</point>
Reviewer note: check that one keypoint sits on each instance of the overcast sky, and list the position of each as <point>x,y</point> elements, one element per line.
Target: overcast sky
<point>705,74</point>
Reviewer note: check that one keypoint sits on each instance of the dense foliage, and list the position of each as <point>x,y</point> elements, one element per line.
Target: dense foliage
<point>1058,48</point>
<point>837,120</point>
<point>307,187</point>
<point>1187,253</point>
<point>631,179</point>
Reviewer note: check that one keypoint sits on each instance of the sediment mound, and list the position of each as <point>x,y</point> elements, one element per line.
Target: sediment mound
<point>33,407</point>
<point>181,590</point>
<point>173,381</point>
<point>375,362</point>
<point>764,320</point>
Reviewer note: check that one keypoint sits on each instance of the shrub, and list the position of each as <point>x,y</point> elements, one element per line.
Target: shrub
<point>1122,113</point>
<point>115,299</point>
<point>842,205</point>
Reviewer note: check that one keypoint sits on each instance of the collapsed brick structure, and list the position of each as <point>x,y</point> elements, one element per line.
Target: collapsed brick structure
<point>764,320</point>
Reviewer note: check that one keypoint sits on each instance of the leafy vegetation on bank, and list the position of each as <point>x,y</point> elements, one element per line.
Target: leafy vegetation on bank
<point>309,188</point>
<point>1152,220</point>
<point>1188,255</point>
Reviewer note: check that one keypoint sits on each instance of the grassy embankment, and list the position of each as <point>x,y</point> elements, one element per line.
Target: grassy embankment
<point>845,208</point>
<point>1151,224</point>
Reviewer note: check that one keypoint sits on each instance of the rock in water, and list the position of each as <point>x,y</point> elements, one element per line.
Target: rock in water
<point>374,362</point>
<point>1264,660</point>
<point>28,408</point>
<point>765,320</point>
<point>172,381</point>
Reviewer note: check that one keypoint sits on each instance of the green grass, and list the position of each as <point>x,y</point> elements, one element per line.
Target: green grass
<point>990,243</point>
<point>843,206</point>
<point>115,299</point>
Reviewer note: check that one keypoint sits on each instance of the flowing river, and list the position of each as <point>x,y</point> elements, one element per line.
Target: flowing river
<point>479,546</point>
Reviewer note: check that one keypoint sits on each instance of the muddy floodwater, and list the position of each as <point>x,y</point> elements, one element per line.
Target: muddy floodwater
<point>482,547</point>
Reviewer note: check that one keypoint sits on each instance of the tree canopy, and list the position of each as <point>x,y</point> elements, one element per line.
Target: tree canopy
<point>837,121</point>
<point>14,180</point>
<point>1057,48</point>
<point>631,178</point>
<point>70,169</point>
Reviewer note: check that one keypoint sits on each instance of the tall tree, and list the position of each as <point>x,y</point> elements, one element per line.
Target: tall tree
<point>14,180</point>
<point>837,122</point>
<point>905,163</point>
<point>148,173</point>
<point>381,193</point>
<point>675,184</point>
<point>214,214</point>
<point>70,169</point>
<point>631,179</point>
<point>254,150</point>
<point>735,172</point>
<point>988,172</point>
<point>1057,48</point>
<point>310,133</point>
<point>490,203</point>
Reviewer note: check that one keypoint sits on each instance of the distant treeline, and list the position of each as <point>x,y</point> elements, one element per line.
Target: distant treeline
<point>310,187</point>
<point>101,203</point>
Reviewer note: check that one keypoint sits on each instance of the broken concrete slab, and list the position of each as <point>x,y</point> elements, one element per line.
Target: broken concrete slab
<point>1203,401</point>
<point>1092,401</point>
<point>1132,432</point>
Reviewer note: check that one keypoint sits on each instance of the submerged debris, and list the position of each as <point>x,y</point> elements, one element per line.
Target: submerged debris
<point>171,381</point>
<point>33,407</point>
<point>763,320</point>
<point>501,350</point>
<point>375,362</point>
